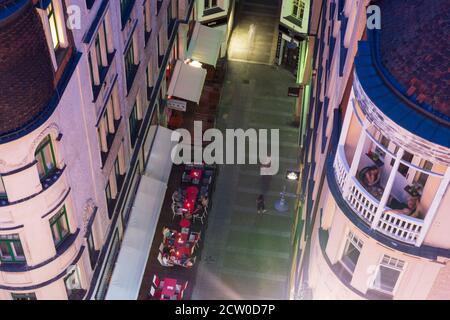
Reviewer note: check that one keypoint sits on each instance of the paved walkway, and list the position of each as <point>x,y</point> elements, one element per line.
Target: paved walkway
<point>255,35</point>
<point>246,256</point>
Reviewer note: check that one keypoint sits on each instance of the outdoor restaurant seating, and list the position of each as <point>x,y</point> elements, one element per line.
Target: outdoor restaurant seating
<point>167,289</point>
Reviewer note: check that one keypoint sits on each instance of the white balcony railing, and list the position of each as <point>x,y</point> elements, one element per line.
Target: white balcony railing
<point>362,202</point>
<point>365,205</point>
<point>341,168</point>
<point>400,227</point>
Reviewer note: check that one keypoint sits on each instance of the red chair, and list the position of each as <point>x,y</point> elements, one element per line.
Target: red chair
<point>156,281</point>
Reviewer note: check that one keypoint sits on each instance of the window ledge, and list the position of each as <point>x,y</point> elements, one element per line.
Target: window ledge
<point>294,20</point>
<point>60,250</point>
<point>211,11</point>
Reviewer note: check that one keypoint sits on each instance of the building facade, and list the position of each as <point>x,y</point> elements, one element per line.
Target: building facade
<point>83,89</point>
<point>376,165</point>
<point>217,14</point>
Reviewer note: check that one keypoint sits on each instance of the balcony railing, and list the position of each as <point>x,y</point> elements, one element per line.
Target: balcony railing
<point>400,227</point>
<point>365,205</point>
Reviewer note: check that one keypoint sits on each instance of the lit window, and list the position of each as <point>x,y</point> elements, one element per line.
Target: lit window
<point>210,4</point>
<point>45,158</point>
<point>59,225</point>
<point>11,250</point>
<point>298,9</point>
<point>53,25</point>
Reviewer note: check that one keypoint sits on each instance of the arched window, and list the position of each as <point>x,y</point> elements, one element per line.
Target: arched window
<point>45,157</point>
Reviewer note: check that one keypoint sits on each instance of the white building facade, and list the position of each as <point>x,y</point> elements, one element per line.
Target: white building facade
<point>361,240</point>
<point>69,171</point>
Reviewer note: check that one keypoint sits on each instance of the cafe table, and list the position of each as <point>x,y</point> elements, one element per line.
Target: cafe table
<point>185,223</point>
<point>191,198</point>
<point>169,288</point>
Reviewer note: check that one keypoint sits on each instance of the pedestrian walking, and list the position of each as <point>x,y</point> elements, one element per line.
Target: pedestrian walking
<point>260,205</point>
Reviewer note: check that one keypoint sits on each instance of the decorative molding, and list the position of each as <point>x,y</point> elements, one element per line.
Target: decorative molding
<point>88,210</point>
<point>52,129</point>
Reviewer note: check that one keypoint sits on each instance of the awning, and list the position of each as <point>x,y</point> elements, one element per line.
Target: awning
<point>187,82</point>
<point>132,260</point>
<point>205,44</point>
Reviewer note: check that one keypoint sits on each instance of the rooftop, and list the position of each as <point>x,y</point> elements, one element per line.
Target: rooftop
<point>26,81</point>
<point>414,49</point>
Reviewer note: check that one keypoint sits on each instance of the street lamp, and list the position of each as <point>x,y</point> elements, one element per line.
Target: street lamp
<point>281,205</point>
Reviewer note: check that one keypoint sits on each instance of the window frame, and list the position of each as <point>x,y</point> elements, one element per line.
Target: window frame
<point>209,4</point>
<point>351,240</point>
<point>388,262</point>
<point>298,9</point>
<point>133,125</point>
<point>40,150</point>
<point>55,220</point>
<point>51,16</point>
<point>12,251</point>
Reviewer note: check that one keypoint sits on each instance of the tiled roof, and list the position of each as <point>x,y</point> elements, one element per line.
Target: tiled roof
<point>26,71</point>
<point>414,49</point>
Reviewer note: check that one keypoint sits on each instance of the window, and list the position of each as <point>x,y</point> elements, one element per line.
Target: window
<point>130,65</point>
<point>169,18</point>
<point>420,177</point>
<point>73,285</point>
<point>24,296</point>
<point>93,253</point>
<point>125,10</point>
<point>351,252</point>
<point>99,58</point>
<point>53,25</point>
<point>91,70</point>
<point>134,125</point>
<point>298,9</point>
<point>147,21</point>
<point>45,157</point>
<point>109,199</point>
<point>98,52</point>
<point>210,4</point>
<point>388,274</point>
<point>2,190</point>
<point>11,250</point>
<point>59,225</point>
<point>402,168</point>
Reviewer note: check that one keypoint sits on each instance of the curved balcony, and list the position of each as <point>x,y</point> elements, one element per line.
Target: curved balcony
<point>55,188</point>
<point>367,207</point>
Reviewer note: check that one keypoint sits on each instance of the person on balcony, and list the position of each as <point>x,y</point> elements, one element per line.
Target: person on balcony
<point>411,208</point>
<point>370,178</point>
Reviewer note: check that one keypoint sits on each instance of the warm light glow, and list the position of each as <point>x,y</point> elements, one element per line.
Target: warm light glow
<point>292,175</point>
<point>195,64</point>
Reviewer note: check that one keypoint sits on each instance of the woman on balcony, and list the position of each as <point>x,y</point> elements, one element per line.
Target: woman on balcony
<point>411,208</point>
<point>370,178</point>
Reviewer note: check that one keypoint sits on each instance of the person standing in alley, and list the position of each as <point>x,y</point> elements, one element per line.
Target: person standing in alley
<point>260,205</point>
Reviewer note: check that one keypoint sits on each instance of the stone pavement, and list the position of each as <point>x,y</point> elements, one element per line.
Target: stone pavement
<point>246,256</point>
<point>254,36</point>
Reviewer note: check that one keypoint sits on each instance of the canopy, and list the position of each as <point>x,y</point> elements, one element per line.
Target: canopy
<point>187,82</point>
<point>205,44</point>
<point>132,260</point>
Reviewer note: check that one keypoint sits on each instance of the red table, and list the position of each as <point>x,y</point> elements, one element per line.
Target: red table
<point>191,198</point>
<point>196,174</point>
<point>185,223</point>
<point>169,288</point>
